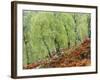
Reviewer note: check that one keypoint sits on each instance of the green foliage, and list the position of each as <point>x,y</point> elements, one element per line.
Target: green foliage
<point>41,29</point>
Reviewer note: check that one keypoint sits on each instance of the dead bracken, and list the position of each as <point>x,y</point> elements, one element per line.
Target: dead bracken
<point>76,56</point>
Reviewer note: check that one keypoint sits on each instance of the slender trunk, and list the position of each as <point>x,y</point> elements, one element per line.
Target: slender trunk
<point>45,43</point>
<point>27,55</point>
<point>68,38</point>
<point>56,43</point>
<point>27,58</point>
<point>76,30</point>
<point>89,27</point>
<point>57,46</point>
<point>46,46</point>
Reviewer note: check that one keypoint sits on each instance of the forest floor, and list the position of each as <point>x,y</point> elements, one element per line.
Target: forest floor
<point>76,56</point>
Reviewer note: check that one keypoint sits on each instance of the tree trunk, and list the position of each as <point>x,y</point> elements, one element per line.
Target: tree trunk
<point>57,46</point>
<point>46,46</point>
<point>27,55</point>
<point>68,38</point>
<point>89,27</point>
<point>75,30</point>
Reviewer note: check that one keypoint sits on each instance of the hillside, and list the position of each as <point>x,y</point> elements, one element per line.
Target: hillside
<point>75,56</point>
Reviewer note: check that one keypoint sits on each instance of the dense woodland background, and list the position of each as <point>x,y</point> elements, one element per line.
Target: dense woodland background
<point>48,35</point>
